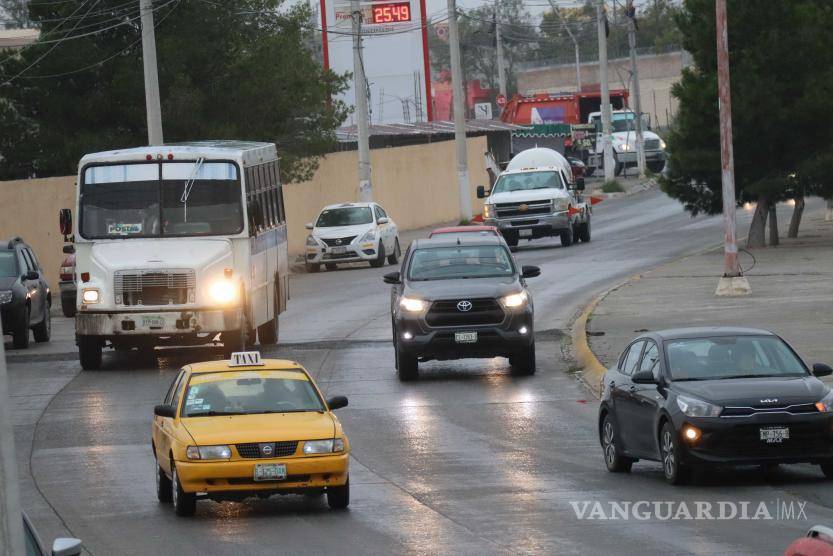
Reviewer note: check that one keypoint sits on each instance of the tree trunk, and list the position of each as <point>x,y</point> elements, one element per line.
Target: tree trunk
<point>757,229</point>
<point>773,225</point>
<point>795,221</point>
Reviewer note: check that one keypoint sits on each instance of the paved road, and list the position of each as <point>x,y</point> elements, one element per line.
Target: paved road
<point>469,460</point>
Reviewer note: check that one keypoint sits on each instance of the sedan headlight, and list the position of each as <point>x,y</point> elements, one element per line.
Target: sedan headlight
<point>369,236</point>
<point>826,403</point>
<point>208,452</point>
<point>90,296</point>
<point>5,296</point>
<point>223,291</point>
<point>515,300</point>
<point>489,211</point>
<point>560,204</point>
<point>412,305</point>
<point>311,242</point>
<point>329,446</point>
<point>693,407</point>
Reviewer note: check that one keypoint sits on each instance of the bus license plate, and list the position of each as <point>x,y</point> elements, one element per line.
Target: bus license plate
<point>465,337</point>
<point>775,435</point>
<point>153,322</point>
<point>525,233</point>
<point>270,471</point>
<point>338,250</point>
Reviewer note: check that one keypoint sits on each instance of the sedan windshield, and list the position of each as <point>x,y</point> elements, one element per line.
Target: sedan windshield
<point>250,393</point>
<point>477,261</point>
<point>528,181</point>
<point>347,216</point>
<point>731,357</point>
<point>8,264</point>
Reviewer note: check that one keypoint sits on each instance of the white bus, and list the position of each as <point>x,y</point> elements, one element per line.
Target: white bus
<point>178,245</point>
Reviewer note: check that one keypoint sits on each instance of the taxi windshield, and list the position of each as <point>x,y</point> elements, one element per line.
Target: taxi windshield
<point>250,394</point>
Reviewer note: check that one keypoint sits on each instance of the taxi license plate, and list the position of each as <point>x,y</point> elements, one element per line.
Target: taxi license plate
<point>465,337</point>
<point>270,472</point>
<point>525,233</point>
<point>153,322</point>
<point>775,435</point>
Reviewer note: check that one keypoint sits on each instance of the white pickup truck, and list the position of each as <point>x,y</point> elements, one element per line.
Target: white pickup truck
<point>536,196</point>
<point>624,143</point>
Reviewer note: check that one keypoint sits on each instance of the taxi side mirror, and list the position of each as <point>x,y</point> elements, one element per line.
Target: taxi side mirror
<point>165,410</point>
<point>337,402</point>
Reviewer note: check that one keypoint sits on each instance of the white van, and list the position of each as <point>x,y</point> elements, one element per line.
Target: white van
<point>178,245</point>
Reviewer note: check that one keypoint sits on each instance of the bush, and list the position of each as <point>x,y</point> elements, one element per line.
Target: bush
<point>612,186</point>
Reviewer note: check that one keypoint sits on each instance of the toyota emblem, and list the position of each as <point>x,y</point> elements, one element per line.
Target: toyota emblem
<point>464,306</point>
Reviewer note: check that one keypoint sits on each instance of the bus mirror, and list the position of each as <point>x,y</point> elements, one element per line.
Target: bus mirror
<point>65,221</point>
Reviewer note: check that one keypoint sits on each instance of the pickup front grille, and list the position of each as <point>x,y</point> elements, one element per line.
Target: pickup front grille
<point>253,450</point>
<point>336,241</point>
<point>514,210</point>
<point>155,287</point>
<point>446,313</point>
<point>651,144</point>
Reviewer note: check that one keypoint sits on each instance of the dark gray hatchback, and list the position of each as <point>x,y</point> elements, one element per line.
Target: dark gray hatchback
<point>461,297</point>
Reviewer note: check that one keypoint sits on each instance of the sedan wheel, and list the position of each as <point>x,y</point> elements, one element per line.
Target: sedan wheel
<point>164,492</point>
<point>614,460</point>
<point>675,473</point>
<point>185,503</point>
<point>397,252</point>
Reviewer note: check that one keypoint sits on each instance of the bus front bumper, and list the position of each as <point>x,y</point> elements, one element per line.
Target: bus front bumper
<point>158,323</point>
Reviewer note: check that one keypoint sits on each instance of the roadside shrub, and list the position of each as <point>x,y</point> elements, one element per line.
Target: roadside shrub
<point>612,186</point>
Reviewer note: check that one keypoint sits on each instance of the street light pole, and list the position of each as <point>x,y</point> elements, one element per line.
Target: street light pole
<point>733,282</point>
<point>606,116</point>
<point>566,27</point>
<point>640,142</point>
<point>11,520</point>
<point>459,114</point>
<point>152,102</point>
<point>501,71</point>
<point>360,88</point>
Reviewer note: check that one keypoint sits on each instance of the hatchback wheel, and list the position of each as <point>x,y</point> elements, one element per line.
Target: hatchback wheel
<point>338,497</point>
<point>164,491</point>
<point>185,503</point>
<point>675,473</point>
<point>614,460</point>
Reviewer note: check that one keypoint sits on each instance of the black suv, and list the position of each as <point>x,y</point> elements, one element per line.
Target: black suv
<point>458,297</point>
<point>25,298</point>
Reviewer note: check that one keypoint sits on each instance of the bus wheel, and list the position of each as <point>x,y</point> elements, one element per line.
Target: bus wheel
<point>89,352</point>
<point>234,340</point>
<point>267,333</point>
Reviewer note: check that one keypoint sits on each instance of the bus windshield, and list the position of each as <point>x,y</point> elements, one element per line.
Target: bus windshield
<point>172,199</point>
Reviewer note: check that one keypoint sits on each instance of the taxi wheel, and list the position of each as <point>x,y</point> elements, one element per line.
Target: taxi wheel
<point>185,503</point>
<point>827,469</point>
<point>379,261</point>
<point>338,498</point>
<point>614,460</point>
<point>669,446</point>
<point>163,486</point>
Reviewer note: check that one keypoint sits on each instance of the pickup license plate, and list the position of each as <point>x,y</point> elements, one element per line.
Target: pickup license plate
<point>340,250</point>
<point>465,337</point>
<point>524,233</point>
<point>270,472</point>
<point>153,322</point>
<point>775,435</point>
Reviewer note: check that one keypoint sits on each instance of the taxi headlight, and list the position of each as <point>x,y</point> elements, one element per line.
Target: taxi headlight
<point>693,407</point>
<point>90,295</point>
<point>5,296</point>
<point>412,305</point>
<point>515,300</point>
<point>826,403</point>
<point>223,291</point>
<point>329,446</point>
<point>208,452</point>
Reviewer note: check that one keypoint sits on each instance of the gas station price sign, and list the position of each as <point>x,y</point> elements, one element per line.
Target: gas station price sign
<point>391,12</point>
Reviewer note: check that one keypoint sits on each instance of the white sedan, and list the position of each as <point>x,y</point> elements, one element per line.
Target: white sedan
<point>352,232</point>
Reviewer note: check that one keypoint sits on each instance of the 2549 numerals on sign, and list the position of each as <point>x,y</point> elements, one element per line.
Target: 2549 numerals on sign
<point>392,13</point>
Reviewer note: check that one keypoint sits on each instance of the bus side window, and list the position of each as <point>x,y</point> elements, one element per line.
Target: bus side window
<point>281,205</point>
<point>265,184</point>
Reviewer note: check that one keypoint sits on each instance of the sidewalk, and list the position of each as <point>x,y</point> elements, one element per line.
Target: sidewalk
<point>792,295</point>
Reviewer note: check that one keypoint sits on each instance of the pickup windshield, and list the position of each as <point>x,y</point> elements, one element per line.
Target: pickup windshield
<point>466,261</point>
<point>8,265</point>
<point>147,200</point>
<point>528,181</point>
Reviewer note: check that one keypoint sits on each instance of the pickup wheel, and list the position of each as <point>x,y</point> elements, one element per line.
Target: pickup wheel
<point>523,364</point>
<point>584,230</point>
<point>89,352</point>
<point>617,168</point>
<point>407,365</point>
<point>656,166</point>
<point>567,237</point>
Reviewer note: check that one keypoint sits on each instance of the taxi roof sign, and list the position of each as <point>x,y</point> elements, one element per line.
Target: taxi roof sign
<point>245,359</point>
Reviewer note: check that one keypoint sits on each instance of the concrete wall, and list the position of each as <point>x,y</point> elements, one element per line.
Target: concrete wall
<point>657,74</point>
<point>417,185</point>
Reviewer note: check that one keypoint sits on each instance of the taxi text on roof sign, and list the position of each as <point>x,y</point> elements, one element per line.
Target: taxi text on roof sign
<point>245,359</point>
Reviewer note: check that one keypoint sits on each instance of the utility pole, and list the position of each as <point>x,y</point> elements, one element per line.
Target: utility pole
<point>11,520</point>
<point>575,43</point>
<point>606,116</point>
<point>360,87</point>
<point>640,143</point>
<point>152,103</point>
<point>501,71</point>
<point>733,282</point>
<point>459,113</point>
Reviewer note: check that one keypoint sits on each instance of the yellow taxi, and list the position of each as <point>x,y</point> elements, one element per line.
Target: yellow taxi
<point>245,427</point>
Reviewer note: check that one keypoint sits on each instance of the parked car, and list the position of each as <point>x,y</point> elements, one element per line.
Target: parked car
<point>695,397</point>
<point>352,232</point>
<point>817,542</point>
<point>60,547</point>
<point>457,230</point>
<point>25,298</point>
<point>458,297</point>
<point>68,286</point>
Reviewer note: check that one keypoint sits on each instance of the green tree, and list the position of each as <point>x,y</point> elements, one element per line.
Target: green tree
<point>14,13</point>
<point>241,73</point>
<point>781,60</point>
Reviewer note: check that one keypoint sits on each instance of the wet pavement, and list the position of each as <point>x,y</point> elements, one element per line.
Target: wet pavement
<point>468,460</point>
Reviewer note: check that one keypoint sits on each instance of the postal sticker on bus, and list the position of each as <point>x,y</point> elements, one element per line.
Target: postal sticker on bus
<point>124,229</point>
<point>245,359</point>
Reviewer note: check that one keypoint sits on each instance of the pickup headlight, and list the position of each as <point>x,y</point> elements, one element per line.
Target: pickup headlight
<point>826,403</point>
<point>515,300</point>
<point>560,204</point>
<point>223,291</point>
<point>489,211</point>
<point>90,296</point>
<point>329,446</point>
<point>693,407</point>
<point>623,147</point>
<point>662,144</point>
<point>412,305</point>
<point>5,297</point>
<point>208,452</point>
<point>369,236</point>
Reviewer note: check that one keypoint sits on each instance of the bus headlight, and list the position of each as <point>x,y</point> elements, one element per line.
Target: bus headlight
<point>90,296</point>
<point>223,292</point>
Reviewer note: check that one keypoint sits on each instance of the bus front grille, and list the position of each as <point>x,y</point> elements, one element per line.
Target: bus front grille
<point>155,287</point>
